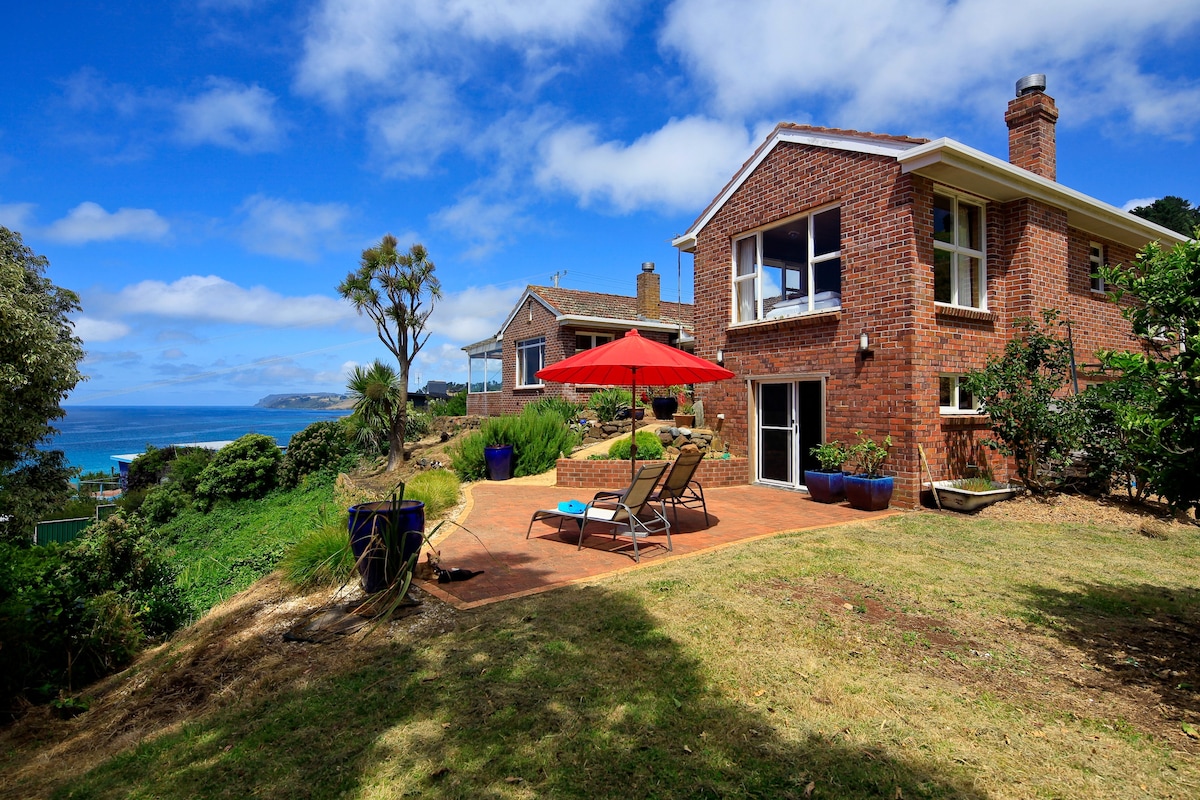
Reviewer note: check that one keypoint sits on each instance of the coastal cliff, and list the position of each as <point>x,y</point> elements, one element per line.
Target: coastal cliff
<point>315,400</point>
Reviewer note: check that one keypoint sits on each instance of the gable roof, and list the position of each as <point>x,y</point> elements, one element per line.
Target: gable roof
<point>956,165</point>
<point>789,132</point>
<point>597,309</point>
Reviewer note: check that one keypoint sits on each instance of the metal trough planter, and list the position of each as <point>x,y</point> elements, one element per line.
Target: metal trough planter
<point>967,500</point>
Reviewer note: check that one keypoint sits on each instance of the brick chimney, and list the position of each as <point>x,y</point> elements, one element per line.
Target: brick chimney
<point>1031,118</point>
<point>647,292</point>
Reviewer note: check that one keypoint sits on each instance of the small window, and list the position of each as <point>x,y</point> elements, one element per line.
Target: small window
<point>586,341</point>
<point>1095,262</point>
<point>485,370</point>
<point>953,397</point>
<point>959,272</point>
<point>531,357</point>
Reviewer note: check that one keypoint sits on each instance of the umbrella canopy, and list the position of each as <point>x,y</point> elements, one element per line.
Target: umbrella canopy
<point>634,359</point>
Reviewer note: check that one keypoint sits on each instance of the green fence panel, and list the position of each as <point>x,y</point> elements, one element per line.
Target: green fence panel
<point>60,530</point>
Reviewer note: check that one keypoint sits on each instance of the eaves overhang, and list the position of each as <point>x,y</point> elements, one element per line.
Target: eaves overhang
<point>610,324</point>
<point>958,166</point>
<point>827,138</point>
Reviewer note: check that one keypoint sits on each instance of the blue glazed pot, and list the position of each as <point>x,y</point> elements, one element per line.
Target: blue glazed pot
<point>384,536</point>
<point>497,460</point>
<point>664,407</point>
<point>825,487</point>
<point>868,494</point>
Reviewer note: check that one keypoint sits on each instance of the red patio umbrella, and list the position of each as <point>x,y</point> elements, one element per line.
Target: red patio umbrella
<point>633,359</point>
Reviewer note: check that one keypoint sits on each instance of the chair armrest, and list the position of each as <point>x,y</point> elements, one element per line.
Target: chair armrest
<point>618,496</point>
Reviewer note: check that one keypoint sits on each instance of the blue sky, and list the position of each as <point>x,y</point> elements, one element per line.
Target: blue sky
<point>204,174</point>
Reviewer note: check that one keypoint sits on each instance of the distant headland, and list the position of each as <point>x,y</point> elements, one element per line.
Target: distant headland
<point>315,400</point>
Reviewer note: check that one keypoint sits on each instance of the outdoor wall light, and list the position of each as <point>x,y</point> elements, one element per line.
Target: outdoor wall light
<point>864,343</point>
<point>721,357</point>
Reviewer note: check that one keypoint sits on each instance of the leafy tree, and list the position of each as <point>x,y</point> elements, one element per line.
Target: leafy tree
<point>246,468</point>
<point>1164,284</point>
<point>1171,212</point>
<point>397,291</point>
<point>1023,393</point>
<point>377,394</point>
<point>1121,436</point>
<point>39,357</point>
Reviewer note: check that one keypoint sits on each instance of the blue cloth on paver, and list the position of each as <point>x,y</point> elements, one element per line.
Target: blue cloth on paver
<point>571,507</point>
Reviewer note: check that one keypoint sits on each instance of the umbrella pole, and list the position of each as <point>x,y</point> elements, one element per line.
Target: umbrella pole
<point>633,426</point>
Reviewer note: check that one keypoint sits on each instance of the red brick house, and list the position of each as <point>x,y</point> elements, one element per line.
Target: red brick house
<point>549,324</point>
<point>849,279</point>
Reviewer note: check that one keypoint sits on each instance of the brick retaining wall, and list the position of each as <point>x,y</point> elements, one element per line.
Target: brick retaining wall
<point>584,474</point>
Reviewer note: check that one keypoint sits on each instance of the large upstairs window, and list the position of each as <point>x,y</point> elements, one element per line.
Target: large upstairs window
<point>791,269</point>
<point>959,274</point>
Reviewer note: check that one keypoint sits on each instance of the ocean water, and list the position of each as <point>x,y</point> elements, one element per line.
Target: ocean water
<point>91,435</point>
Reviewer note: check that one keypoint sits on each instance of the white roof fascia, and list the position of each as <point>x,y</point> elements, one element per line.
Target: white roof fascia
<point>832,141</point>
<point>485,346</point>
<point>521,304</point>
<point>611,323</point>
<point>961,167</point>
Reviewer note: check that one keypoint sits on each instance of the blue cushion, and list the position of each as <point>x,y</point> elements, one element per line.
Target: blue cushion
<point>571,507</point>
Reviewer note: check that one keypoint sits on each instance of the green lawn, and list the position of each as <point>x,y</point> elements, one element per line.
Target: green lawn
<point>920,656</point>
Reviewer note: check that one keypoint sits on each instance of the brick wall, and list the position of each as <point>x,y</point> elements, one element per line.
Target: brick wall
<point>1034,261</point>
<point>584,474</point>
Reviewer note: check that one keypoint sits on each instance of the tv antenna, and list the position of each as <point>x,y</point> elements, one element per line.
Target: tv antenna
<point>556,276</point>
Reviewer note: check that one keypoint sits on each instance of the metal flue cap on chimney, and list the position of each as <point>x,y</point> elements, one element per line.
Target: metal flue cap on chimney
<point>647,266</point>
<point>1031,83</point>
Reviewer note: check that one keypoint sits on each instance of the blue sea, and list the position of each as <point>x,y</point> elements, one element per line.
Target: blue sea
<point>91,435</point>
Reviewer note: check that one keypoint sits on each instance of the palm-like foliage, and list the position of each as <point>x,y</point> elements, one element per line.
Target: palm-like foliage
<point>378,400</point>
<point>397,291</point>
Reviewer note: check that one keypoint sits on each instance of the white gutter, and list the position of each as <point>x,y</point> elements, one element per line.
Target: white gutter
<point>609,323</point>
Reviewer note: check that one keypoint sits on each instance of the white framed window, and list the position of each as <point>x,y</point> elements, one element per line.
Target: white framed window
<point>953,397</point>
<point>959,271</point>
<point>789,269</point>
<point>531,356</point>
<point>586,341</point>
<point>1095,262</point>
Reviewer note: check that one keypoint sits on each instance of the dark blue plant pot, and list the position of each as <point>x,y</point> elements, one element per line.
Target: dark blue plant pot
<point>384,536</point>
<point>497,460</point>
<point>868,494</point>
<point>664,407</point>
<point>825,487</point>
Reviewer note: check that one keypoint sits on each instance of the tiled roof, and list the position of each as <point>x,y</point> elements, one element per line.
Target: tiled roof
<point>575,302</point>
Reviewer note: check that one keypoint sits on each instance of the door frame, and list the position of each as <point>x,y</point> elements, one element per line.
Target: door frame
<point>753,383</point>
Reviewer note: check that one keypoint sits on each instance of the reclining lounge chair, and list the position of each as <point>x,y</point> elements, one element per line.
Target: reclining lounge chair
<point>631,513</point>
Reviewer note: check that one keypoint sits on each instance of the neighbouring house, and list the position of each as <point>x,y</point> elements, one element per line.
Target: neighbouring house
<point>851,279</point>
<point>549,324</point>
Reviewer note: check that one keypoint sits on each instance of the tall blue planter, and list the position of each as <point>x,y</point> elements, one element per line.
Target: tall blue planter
<point>664,407</point>
<point>825,487</point>
<point>497,460</point>
<point>384,536</point>
<point>868,494</point>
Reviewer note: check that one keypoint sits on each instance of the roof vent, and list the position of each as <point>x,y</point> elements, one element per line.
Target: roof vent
<point>1031,83</point>
<point>647,266</point>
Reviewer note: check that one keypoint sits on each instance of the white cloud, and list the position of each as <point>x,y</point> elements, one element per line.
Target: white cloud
<point>89,222</point>
<point>414,133</point>
<point>474,313</point>
<point>209,298</point>
<point>489,222</point>
<point>232,115</point>
<point>173,354</point>
<point>99,330</point>
<point>288,229</point>
<point>369,42</point>
<point>1137,202</point>
<point>336,376</point>
<point>675,168</point>
<point>887,62</point>
<point>16,216</point>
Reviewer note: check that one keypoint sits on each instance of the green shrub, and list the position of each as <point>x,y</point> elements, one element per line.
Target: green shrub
<point>184,472</point>
<point>322,558</point>
<point>437,489</point>
<point>162,503</point>
<point>243,469</point>
<point>567,411</point>
<point>455,406</point>
<point>419,424</point>
<point>538,439</point>
<point>321,447</point>
<point>70,614</point>
<point>649,447</point>
<point>608,403</point>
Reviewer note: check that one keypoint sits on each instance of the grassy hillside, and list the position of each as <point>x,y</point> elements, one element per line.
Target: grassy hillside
<point>921,656</point>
